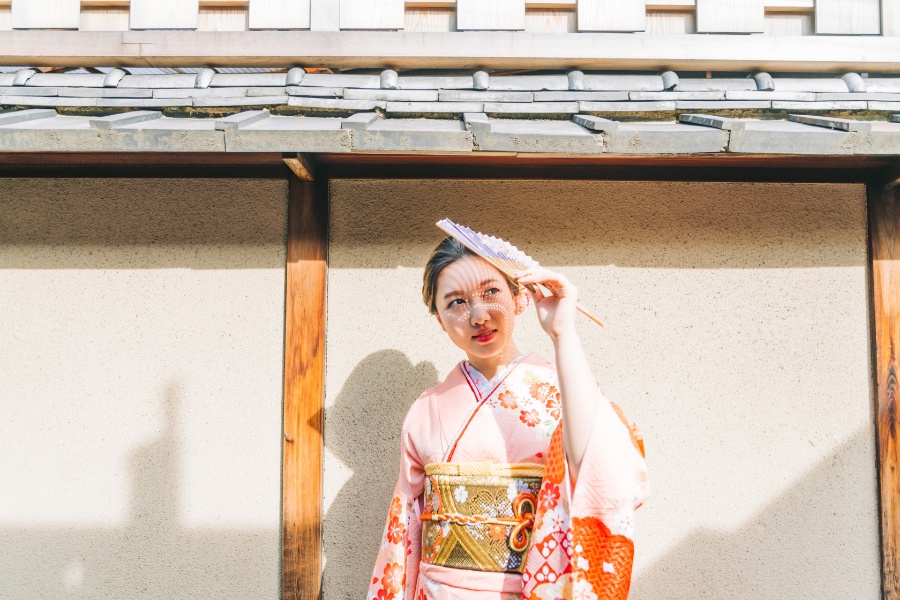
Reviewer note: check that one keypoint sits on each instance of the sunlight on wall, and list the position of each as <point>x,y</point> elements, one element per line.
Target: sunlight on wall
<point>141,369</point>
<point>736,336</point>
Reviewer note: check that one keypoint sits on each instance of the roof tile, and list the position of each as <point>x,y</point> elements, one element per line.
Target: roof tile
<point>392,95</point>
<point>67,79</point>
<point>315,92</point>
<point>249,79</point>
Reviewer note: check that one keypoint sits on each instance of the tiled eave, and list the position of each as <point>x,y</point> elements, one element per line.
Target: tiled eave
<point>559,112</point>
<point>44,130</point>
<point>450,93</point>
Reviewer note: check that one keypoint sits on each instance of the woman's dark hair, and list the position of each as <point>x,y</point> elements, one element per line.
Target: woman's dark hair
<point>446,253</point>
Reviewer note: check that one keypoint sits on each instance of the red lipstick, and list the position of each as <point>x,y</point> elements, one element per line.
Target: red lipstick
<point>485,335</point>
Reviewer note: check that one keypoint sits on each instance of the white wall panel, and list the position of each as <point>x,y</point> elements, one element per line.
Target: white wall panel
<point>279,14</point>
<point>612,15</point>
<point>890,17</point>
<point>730,16</point>
<point>848,16</point>
<point>46,14</point>
<point>372,14</point>
<point>490,14</point>
<point>164,14</point>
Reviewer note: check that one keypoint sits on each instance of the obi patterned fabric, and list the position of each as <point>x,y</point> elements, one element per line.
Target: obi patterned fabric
<point>479,516</point>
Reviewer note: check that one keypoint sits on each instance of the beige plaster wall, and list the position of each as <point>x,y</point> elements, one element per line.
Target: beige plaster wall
<point>141,336</point>
<point>736,336</point>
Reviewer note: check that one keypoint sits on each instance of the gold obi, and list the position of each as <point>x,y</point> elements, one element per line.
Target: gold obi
<point>479,515</point>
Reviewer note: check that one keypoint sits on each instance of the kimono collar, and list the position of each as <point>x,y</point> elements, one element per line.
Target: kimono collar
<point>483,387</point>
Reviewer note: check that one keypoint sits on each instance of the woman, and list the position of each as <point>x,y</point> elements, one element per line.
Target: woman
<point>517,479</point>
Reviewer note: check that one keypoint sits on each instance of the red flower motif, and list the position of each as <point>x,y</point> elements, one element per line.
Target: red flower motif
<point>393,577</point>
<point>396,507</point>
<point>395,530</point>
<point>508,400</point>
<point>553,405</point>
<point>529,417</point>
<point>497,532</point>
<point>542,391</point>
<point>385,595</point>
<point>549,497</point>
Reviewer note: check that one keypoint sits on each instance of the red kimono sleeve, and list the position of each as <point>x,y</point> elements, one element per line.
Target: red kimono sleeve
<point>582,540</point>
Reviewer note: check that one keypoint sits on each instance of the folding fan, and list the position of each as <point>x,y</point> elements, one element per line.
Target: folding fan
<point>504,256</point>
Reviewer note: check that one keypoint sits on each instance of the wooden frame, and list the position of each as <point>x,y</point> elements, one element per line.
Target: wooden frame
<point>884,235</point>
<point>306,273</point>
<point>304,389</point>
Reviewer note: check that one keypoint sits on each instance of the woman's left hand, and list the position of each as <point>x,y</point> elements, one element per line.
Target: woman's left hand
<point>556,311</point>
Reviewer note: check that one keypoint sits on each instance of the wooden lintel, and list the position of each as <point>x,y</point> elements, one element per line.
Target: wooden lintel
<point>304,388</point>
<point>301,165</point>
<point>884,233</point>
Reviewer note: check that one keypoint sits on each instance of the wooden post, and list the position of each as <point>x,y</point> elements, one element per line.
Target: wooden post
<point>304,386</point>
<point>884,232</point>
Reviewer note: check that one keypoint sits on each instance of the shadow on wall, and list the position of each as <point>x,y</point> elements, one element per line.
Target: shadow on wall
<point>116,223</point>
<point>152,556</point>
<point>364,499</point>
<point>605,223</point>
<point>801,528</point>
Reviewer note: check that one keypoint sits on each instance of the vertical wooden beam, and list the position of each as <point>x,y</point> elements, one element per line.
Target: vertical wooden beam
<point>612,15</point>
<point>304,387</point>
<point>884,234</point>
<point>850,17</point>
<point>730,16</point>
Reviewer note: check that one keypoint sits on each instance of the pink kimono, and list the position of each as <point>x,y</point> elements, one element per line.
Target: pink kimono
<point>580,541</point>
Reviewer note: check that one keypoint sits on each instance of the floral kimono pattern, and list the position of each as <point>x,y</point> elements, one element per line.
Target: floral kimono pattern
<point>581,544</point>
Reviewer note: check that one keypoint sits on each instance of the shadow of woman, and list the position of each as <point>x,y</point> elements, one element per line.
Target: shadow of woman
<point>362,428</point>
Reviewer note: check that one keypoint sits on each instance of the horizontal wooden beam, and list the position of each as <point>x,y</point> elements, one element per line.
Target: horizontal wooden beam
<point>471,50</point>
<point>487,165</point>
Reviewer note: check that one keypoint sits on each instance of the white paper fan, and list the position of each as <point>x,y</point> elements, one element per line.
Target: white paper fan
<point>507,258</point>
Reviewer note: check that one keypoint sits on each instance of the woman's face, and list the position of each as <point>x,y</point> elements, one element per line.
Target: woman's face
<point>475,307</point>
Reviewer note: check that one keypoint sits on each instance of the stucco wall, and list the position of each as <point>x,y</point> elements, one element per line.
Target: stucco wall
<point>141,336</point>
<point>736,336</point>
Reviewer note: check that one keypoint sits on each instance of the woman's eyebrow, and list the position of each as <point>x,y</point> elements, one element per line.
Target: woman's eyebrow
<point>481,285</point>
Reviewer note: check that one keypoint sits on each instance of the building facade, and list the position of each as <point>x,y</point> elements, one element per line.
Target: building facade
<point>214,218</point>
